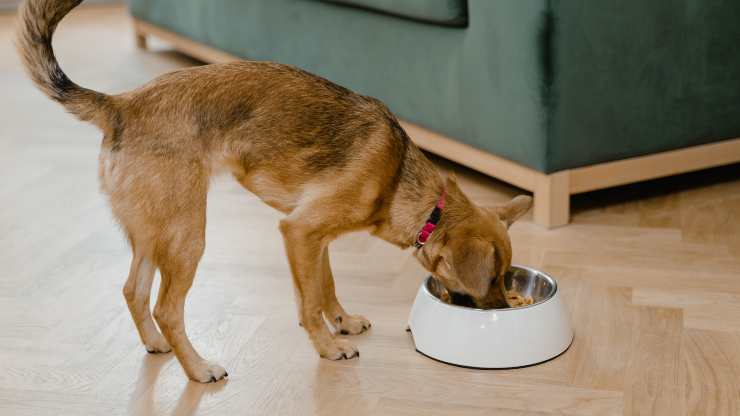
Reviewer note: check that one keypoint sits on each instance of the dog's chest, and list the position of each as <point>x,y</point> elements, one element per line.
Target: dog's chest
<point>271,192</point>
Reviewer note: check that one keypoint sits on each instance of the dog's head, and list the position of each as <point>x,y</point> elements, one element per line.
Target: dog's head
<point>474,248</point>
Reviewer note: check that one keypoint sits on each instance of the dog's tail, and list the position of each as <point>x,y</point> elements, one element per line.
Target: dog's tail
<point>37,20</point>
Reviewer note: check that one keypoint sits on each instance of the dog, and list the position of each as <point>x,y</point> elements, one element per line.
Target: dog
<point>331,160</point>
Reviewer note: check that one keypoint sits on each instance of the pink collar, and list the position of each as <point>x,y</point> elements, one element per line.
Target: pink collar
<point>431,222</point>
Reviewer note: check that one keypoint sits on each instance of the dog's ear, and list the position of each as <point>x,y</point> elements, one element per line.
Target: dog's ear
<point>472,262</point>
<point>512,210</point>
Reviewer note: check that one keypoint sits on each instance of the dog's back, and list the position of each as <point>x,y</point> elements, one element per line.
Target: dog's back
<point>275,127</point>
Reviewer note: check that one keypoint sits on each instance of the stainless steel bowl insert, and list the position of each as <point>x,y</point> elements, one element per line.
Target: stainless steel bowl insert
<point>525,280</point>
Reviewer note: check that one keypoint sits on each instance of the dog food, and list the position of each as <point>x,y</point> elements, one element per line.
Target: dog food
<point>513,298</point>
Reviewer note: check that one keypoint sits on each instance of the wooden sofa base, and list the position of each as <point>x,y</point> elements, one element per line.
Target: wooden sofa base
<point>551,191</point>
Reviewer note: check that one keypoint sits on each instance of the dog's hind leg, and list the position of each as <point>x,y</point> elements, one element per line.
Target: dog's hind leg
<point>343,322</point>
<point>136,291</point>
<point>179,249</point>
<point>161,203</point>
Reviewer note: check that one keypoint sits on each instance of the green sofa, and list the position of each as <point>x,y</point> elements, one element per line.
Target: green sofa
<point>530,88</point>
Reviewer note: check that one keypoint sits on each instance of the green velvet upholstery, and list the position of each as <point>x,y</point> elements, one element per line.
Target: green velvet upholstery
<point>446,12</point>
<point>549,84</point>
<point>633,77</point>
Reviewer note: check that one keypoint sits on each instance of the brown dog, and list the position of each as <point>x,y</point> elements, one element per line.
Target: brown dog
<point>333,161</point>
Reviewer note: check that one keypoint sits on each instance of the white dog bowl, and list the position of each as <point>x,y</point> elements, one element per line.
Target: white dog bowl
<point>494,338</point>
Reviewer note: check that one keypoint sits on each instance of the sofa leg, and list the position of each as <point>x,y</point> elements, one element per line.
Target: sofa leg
<point>140,40</point>
<point>552,200</point>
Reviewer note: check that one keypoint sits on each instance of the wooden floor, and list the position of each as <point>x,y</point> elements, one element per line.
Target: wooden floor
<point>650,275</point>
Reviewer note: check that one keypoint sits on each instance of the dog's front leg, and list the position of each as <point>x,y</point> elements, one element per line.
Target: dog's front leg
<point>304,245</point>
<point>333,310</point>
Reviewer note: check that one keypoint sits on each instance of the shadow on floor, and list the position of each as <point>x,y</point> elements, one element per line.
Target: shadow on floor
<point>654,188</point>
<point>143,400</point>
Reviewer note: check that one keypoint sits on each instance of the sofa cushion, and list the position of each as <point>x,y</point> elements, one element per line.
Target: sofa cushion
<point>444,12</point>
<point>480,85</point>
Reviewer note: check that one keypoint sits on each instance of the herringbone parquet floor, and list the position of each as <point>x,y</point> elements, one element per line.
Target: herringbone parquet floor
<point>650,275</point>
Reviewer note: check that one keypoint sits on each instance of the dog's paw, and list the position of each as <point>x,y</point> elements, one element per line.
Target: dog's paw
<point>207,372</point>
<point>339,349</point>
<point>158,345</point>
<point>351,324</point>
